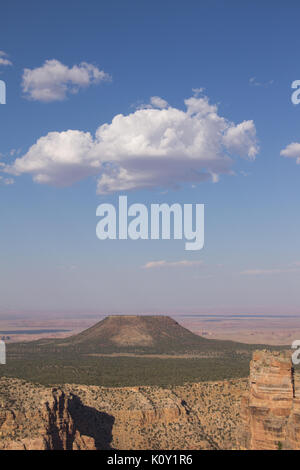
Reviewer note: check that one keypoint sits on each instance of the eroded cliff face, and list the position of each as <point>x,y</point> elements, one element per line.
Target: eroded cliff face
<point>271,408</point>
<point>50,426</point>
<point>293,426</point>
<point>193,416</point>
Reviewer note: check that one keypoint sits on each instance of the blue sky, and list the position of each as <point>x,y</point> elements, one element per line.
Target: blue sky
<point>245,57</point>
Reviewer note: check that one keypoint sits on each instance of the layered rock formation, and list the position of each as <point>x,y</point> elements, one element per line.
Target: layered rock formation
<point>271,408</point>
<point>207,415</point>
<point>50,426</point>
<point>293,426</point>
<point>192,416</point>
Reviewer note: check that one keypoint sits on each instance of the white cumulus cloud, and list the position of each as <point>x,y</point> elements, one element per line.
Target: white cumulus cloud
<point>54,80</point>
<point>157,147</point>
<point>292,151</point>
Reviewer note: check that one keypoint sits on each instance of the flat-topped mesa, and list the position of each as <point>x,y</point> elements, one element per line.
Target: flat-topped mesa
<point>137,334</point>
<point>271,408</point>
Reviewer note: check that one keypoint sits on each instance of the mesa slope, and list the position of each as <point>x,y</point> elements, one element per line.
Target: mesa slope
<point>141,335</point>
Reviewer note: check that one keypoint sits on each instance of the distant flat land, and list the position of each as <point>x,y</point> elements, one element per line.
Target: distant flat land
<point>29,328</point>
<point>31,332</point>
<point>250,329</point>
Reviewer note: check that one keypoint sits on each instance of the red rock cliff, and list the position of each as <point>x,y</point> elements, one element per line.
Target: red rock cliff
<point>271,409</point>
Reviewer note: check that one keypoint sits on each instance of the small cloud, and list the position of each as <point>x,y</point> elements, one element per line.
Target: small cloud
<point>14,152</point>
<point>155,102</point>
<point>261,272</point>
<point>171,264</point>
<point>254,82</point>
<point>4,60</point>
<point>292,151</point>
<point>6,181</point>
<point>53,81</point>
<point>158,102</point>
<point>198,91</point>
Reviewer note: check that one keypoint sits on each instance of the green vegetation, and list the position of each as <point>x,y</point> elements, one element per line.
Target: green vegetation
<point>279,445</point>
<point>126,371</point>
